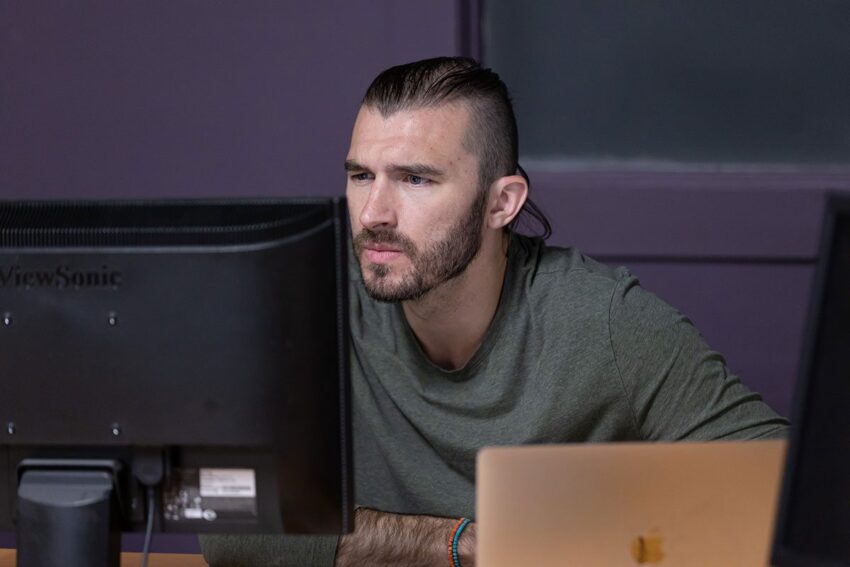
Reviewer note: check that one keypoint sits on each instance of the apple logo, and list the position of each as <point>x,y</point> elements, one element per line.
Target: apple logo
<point>647,548</point>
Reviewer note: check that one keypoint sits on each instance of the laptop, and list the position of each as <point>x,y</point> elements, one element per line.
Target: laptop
<point>628,504</point>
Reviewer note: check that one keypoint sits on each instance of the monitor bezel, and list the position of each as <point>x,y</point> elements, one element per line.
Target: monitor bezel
<point>782,554</point>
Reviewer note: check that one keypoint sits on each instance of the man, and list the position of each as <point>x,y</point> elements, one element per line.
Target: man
<point>467,334</point>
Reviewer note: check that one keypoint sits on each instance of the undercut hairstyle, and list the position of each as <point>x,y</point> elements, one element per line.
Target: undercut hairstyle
<point>492,133</point>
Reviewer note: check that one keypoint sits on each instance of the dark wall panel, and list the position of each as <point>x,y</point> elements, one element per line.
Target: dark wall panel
<point>761,81</point>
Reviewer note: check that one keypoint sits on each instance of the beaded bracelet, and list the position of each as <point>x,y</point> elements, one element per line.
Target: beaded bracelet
<point>454,558</point>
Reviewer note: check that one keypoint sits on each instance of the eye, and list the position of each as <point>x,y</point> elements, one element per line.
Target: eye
<point>360,177</point>
<point>417,180</point>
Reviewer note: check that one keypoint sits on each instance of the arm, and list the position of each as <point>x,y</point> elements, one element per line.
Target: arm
<point>679,388</point>
<point>381,538</point>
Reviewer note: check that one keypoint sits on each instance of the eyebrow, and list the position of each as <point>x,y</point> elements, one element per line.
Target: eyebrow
<point>422,169</point>
<point>351,165</point>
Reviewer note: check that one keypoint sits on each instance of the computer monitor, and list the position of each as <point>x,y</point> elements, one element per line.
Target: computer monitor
<point>813,525</point>
<point>192,352</point>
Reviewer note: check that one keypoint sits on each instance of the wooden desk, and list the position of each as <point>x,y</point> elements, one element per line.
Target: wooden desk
<point>7,559</point>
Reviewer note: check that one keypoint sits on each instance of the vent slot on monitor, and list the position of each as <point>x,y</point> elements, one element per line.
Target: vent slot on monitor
<point>172,223</point>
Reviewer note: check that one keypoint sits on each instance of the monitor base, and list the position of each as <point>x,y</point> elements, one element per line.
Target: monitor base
<point>67,514</point>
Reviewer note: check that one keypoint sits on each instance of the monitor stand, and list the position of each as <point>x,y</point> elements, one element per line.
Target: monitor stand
<point>68,513</point>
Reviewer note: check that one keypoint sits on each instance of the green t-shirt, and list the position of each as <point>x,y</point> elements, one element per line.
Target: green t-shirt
<point>576,352</point>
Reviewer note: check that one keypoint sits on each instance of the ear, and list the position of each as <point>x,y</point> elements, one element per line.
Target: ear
<point>507,196</point>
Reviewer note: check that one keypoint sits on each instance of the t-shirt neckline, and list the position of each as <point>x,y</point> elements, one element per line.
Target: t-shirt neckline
<point>490,336</point>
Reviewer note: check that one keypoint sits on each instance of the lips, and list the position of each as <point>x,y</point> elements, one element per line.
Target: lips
<point>381,254</point>
<point>381,247</point>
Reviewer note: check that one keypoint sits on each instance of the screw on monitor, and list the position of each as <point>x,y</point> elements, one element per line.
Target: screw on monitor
<point>116,429</point>
<point>10,428</point>
<point>113,318</point>
<point>7,319</point>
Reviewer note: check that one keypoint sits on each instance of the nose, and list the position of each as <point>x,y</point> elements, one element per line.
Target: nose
<point>379,211</point>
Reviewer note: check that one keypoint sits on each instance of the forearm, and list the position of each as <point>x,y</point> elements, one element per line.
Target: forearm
<point>381,538</point>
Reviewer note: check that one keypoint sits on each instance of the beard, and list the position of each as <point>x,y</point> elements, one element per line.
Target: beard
<point>431,266</point>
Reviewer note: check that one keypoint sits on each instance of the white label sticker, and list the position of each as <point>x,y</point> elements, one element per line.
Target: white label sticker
<point>230,483</point>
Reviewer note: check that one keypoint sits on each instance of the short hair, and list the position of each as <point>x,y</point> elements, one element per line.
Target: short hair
<point>492,134</point>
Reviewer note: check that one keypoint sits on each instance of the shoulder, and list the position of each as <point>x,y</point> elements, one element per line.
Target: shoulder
<point>564,277</point>
<point>553,263</point>
<point>576,292</point>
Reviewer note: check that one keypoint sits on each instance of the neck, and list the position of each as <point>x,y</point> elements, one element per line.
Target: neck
<point>451,320</point>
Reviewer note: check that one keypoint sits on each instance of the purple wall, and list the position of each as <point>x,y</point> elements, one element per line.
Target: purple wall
<point>693,215</point>
<point>195,98</point>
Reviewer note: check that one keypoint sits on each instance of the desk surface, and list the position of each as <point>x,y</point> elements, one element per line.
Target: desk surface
<point>7,559</point>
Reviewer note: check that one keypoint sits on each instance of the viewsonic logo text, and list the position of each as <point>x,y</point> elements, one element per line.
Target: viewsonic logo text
<point>60,277</point>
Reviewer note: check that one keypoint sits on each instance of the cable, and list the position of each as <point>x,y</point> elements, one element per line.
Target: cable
<point>149,531</point>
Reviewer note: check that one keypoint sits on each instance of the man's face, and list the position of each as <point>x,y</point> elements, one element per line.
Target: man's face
<point>414,199</point>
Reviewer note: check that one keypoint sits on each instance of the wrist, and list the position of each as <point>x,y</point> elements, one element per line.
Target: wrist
<point>461,544</point>
<point>466,546</point>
